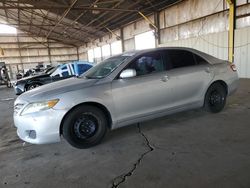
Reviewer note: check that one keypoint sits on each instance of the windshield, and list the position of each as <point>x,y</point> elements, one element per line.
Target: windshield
<point>105,68</point>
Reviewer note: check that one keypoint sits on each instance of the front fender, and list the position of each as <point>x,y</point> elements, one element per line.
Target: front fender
<point>101,95</point>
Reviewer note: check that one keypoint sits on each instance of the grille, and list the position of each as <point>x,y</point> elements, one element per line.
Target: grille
<point>18,107</point>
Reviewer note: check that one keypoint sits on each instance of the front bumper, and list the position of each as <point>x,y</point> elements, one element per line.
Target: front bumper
<point>41,127</point>
<point>18,90</point>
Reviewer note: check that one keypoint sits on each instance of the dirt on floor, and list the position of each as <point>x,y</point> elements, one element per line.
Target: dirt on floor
<point>188,149</point>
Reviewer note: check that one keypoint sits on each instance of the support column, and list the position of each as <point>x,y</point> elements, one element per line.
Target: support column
<point>19,51</point>
<point>157,31</point>
<point>1,51</point>
<point>231,30</point>
<point>122,40</point>
<point>77,51</point>
<point>49,52</point>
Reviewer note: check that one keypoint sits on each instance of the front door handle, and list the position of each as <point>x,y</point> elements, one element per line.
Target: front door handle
<point>165,78</point>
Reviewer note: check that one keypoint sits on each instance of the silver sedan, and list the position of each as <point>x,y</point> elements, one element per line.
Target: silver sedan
<point>122,90</point>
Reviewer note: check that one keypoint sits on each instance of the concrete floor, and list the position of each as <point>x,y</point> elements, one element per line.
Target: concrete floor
<point>189,149</point>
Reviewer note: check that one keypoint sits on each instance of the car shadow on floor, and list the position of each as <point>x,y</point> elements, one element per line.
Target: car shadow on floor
<point>158,123</point>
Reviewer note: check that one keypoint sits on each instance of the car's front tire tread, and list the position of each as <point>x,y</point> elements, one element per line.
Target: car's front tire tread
<point>68,126</point>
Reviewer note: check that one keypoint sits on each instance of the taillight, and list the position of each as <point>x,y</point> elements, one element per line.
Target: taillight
<point>233,67</point>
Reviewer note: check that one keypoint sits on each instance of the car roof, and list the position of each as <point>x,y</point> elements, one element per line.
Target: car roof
<point>207,57</point>
<point>77,62</point>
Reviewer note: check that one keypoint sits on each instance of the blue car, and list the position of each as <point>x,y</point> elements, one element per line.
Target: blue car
<point>60,72</point>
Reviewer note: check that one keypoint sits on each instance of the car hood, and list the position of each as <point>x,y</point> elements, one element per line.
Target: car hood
<point>49,91</point>
<point>33,77</point>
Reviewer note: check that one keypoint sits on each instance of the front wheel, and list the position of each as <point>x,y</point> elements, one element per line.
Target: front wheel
<point>215,98</point>
<point>85,126</point>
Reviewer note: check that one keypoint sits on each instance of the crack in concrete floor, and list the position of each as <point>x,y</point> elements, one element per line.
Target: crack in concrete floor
<point>117,181</point>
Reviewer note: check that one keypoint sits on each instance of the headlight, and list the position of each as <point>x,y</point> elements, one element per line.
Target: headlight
<point>39,106</point>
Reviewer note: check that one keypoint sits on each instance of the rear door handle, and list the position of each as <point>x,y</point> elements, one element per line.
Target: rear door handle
<point>165,78</point>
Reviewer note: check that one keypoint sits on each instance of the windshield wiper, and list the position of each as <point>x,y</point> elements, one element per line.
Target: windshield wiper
<point>90,77</point>
<point>93,77</point>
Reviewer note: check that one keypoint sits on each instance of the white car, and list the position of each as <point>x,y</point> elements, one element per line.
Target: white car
<point>122,90</point>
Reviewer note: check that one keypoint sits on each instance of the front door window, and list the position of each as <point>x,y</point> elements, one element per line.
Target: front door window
<point>148,64</point>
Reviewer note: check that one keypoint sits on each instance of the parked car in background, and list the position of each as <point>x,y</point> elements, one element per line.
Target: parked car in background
<point>48,69</point>
<point>32,72</point>
<point>122,90</point>
<point>55,74</point>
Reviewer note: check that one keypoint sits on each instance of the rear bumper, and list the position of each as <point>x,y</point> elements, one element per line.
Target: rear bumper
<point>233,85</point>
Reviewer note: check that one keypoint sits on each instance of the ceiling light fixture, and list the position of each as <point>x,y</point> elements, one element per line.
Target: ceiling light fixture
<point>95,11</point>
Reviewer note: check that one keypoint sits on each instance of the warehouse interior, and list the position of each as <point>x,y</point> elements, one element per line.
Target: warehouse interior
<point>65,34</point>
<point>189,149</point>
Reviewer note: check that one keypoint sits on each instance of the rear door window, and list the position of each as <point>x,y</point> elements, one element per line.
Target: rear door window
<point>200,60</point>
<point>179,58</point>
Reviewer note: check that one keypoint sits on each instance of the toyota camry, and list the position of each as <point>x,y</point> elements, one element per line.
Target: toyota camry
<point>122,90</point>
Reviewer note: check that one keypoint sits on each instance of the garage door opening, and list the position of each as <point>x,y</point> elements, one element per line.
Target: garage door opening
<point>106,51</point>
<point>5,29</point>
<point>97,55</point>
<point>116,47</point>
<point>145,41</point>
<point>91,55</point>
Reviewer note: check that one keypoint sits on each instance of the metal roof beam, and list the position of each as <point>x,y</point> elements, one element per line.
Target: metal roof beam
<point>66,7</point>
<point>62,17</point>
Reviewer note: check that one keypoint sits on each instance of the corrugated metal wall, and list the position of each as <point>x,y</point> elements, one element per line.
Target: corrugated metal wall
<point>214,44</point>
<point>23,51</point>
<point>202,25</point>
<point>217,45</point>
<point>192,23</point>
<point>210,33</point>
<point>242,51</point>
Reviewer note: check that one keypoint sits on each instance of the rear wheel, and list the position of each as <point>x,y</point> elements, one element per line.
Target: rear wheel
<point>85,127</point>
<point>215,98</point>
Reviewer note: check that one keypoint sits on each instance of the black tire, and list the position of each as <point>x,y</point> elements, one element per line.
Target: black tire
<point>33,86</point>
<point>84,127</point>
<point>215,98</point>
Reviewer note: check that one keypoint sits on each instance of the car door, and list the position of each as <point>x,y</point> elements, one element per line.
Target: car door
<point>66,71</point>
<point>145,94</point>
<point>189,75</point>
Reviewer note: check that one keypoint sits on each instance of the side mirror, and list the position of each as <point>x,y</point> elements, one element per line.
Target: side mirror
<point>128,73</point>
